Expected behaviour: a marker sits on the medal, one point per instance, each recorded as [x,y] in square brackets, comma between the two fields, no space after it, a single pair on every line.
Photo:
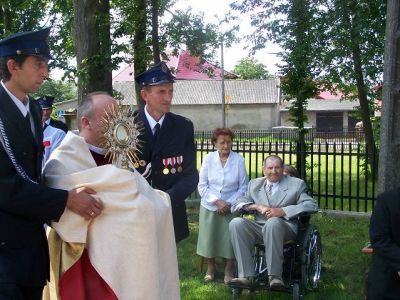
[165,162]
[179,160]
[142,163]
[136,165]
[173,170]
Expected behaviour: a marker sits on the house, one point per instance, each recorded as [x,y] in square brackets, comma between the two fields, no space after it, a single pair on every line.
[184,67]
[253,104]
[250,104]
[325,115]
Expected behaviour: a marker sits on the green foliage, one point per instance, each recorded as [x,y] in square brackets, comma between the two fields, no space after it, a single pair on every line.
[250,68]
[60,90]
[190,29]
[21,15]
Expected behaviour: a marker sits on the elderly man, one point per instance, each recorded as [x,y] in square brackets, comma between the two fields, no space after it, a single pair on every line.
[168,155]
[128,252]
[275,199]
[25,204]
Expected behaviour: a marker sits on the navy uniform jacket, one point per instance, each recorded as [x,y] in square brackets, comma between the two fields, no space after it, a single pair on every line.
[383,279]
[175,140]
[24,206]
[59,124]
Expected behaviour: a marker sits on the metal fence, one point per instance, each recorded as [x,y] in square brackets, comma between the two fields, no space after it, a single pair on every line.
[337,173]
[312,135]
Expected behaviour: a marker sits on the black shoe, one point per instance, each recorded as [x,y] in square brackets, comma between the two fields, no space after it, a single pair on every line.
[243,281]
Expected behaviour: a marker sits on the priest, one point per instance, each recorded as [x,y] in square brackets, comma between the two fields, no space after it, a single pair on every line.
[128,252]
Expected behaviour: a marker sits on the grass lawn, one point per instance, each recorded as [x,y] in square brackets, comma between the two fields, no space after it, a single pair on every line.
[343,273]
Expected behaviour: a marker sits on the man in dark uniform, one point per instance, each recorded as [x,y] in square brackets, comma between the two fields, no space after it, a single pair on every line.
[383,281]
[25,204]
[167,157]
[46,103]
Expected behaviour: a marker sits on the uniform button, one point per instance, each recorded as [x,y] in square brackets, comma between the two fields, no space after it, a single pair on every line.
[24,153]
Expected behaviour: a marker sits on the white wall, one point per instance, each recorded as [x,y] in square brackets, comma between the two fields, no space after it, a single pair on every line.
[240,116]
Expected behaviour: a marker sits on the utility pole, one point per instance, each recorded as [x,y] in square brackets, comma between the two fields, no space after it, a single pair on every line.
[223,82]
[389,154]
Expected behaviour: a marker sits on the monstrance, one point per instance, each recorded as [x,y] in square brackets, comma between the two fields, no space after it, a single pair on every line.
[121,136]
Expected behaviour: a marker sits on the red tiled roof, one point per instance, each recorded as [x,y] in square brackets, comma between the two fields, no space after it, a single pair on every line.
[327,95]
[185,67]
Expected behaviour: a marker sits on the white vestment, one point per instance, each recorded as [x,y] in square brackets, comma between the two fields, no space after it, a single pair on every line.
[131,243]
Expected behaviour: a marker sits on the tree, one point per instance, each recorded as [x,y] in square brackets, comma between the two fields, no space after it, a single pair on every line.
[345,50]
[93,46]
[354,60]
[60,90]
[296,36]
[250,68]
[21,15]
[389,163]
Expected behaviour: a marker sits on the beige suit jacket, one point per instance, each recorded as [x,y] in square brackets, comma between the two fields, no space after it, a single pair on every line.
[291,196]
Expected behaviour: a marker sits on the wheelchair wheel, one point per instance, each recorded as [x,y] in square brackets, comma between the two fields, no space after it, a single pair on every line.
[296,291]
[311,259]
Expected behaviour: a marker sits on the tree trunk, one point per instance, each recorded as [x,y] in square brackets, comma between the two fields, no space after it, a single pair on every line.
[154,31]
[6,17]
[362,91]
[139,46]
[389,152]
[93,46]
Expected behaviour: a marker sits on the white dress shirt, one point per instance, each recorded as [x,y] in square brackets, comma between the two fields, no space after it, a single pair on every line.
[22,106]
[275,186]
[151,121]
[226,182]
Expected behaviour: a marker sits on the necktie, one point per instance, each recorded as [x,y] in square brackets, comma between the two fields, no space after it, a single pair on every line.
[156,132]
[269,190]
[28,122]
[45,126]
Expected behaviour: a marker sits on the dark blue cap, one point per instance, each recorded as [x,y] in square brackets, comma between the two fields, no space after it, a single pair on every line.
[27,43]
[46,102]
[158,74]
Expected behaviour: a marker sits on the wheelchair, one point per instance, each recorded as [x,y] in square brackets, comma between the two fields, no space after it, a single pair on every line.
[302,263]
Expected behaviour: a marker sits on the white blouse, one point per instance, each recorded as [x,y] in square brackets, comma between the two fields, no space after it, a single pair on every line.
[226,182]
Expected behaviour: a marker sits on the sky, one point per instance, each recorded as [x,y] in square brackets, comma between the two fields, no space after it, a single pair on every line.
[232,55]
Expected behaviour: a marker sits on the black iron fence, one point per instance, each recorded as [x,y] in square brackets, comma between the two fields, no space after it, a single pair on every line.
[337,172]
[312,135]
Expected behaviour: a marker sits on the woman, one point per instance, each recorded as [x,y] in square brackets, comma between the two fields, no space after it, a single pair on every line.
[222,180]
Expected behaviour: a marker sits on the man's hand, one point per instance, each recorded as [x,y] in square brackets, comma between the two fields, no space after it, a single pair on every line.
[223,207]
[266,211]
[83,202]
[274,212]
[260,208]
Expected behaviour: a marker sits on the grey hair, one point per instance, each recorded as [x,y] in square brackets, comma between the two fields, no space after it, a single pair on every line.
[273,158]
[85,108]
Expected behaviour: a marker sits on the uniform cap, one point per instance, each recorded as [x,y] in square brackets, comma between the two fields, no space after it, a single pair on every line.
[46,102]
[26,43]
[158,74]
